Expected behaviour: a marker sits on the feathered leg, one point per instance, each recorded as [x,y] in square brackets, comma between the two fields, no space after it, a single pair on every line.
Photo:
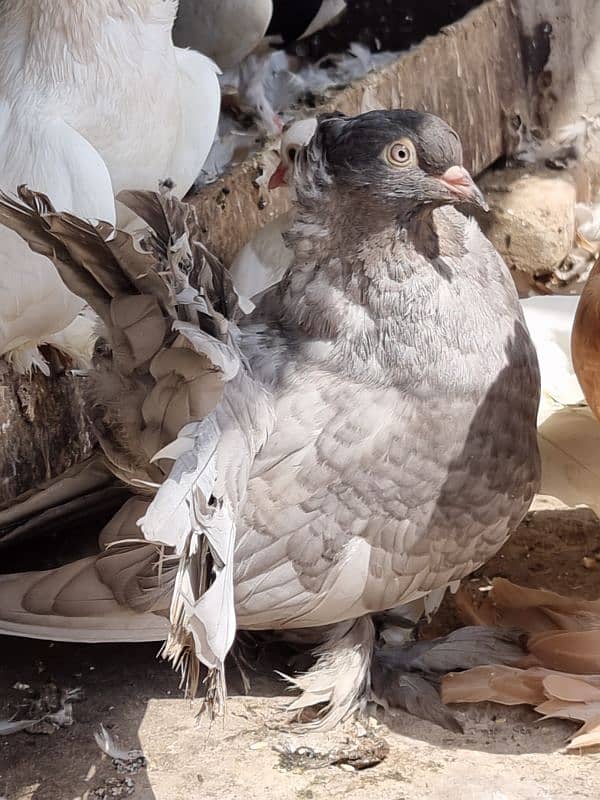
[338,683]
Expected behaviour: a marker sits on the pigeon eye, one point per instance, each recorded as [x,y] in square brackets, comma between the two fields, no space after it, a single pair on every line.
[401,154]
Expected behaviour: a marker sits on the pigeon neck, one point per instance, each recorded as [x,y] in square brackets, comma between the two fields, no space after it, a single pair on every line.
[344,276]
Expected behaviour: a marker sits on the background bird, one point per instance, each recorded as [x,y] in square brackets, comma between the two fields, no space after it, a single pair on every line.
[365,438]
[262,262]
[563,328]
[585,349]
[238,35]
[75,113]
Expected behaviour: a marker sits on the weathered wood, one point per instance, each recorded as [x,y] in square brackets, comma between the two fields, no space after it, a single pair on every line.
[44,429]
[470,74]
[561,41]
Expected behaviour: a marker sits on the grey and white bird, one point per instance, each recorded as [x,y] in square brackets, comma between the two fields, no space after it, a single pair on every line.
[77,115]
[365,438]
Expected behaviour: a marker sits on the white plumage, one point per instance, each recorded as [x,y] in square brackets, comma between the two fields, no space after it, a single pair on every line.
[550,322]
[238,35]
[568,432]
[94,98]
[226,30]
[262,262]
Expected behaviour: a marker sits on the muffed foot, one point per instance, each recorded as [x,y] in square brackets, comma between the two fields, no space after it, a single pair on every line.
[377,659]
[338,683]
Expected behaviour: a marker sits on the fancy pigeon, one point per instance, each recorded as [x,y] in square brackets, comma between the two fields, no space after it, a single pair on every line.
[366,437]
[77,113]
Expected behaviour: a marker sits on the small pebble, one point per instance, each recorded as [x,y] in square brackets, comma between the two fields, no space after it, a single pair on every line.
[589,562]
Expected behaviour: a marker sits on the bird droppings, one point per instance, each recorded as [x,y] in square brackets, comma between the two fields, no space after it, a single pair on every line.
[114,787]
[353,756]
[259,746]
[124,761]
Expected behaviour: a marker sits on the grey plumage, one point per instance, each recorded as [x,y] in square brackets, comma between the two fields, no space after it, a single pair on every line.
[368,433]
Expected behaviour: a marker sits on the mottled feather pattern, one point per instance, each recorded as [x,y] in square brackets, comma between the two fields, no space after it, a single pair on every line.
[365,437]
[401,423]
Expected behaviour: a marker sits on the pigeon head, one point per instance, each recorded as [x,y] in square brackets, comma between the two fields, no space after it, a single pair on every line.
[399,160]
[294,138]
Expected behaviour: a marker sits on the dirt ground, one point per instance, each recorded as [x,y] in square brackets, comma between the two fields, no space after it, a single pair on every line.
[504,753]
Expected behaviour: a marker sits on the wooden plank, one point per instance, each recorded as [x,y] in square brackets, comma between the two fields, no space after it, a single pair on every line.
[44,429]
[470,74]
[562,59]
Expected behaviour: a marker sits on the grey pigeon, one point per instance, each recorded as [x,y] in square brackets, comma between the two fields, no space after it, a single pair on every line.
[364,439]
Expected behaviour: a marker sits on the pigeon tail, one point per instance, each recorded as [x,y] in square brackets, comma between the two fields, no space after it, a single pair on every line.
[42,605]
[167,351]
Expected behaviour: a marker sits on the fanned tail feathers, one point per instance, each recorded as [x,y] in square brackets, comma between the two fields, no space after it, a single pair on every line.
[166,352]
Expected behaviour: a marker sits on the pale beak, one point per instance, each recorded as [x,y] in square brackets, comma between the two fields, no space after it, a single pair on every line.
[461,184]
[279,177]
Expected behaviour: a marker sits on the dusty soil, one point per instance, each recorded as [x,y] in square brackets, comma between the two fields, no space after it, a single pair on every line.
[504,754]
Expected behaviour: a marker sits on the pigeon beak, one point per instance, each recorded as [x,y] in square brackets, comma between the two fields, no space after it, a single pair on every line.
[279,177]
[461,184]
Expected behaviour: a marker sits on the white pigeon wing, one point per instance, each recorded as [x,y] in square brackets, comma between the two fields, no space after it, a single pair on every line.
[51,157]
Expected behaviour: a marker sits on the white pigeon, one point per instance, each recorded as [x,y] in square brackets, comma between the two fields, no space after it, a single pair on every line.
[262,262]
[550,322]
[568,431]
[238,35]
[226,30]
[81,85]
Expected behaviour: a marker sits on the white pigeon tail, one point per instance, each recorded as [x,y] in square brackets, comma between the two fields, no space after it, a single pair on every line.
[79,85]
[264,260]
[568,432]
[550,321]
